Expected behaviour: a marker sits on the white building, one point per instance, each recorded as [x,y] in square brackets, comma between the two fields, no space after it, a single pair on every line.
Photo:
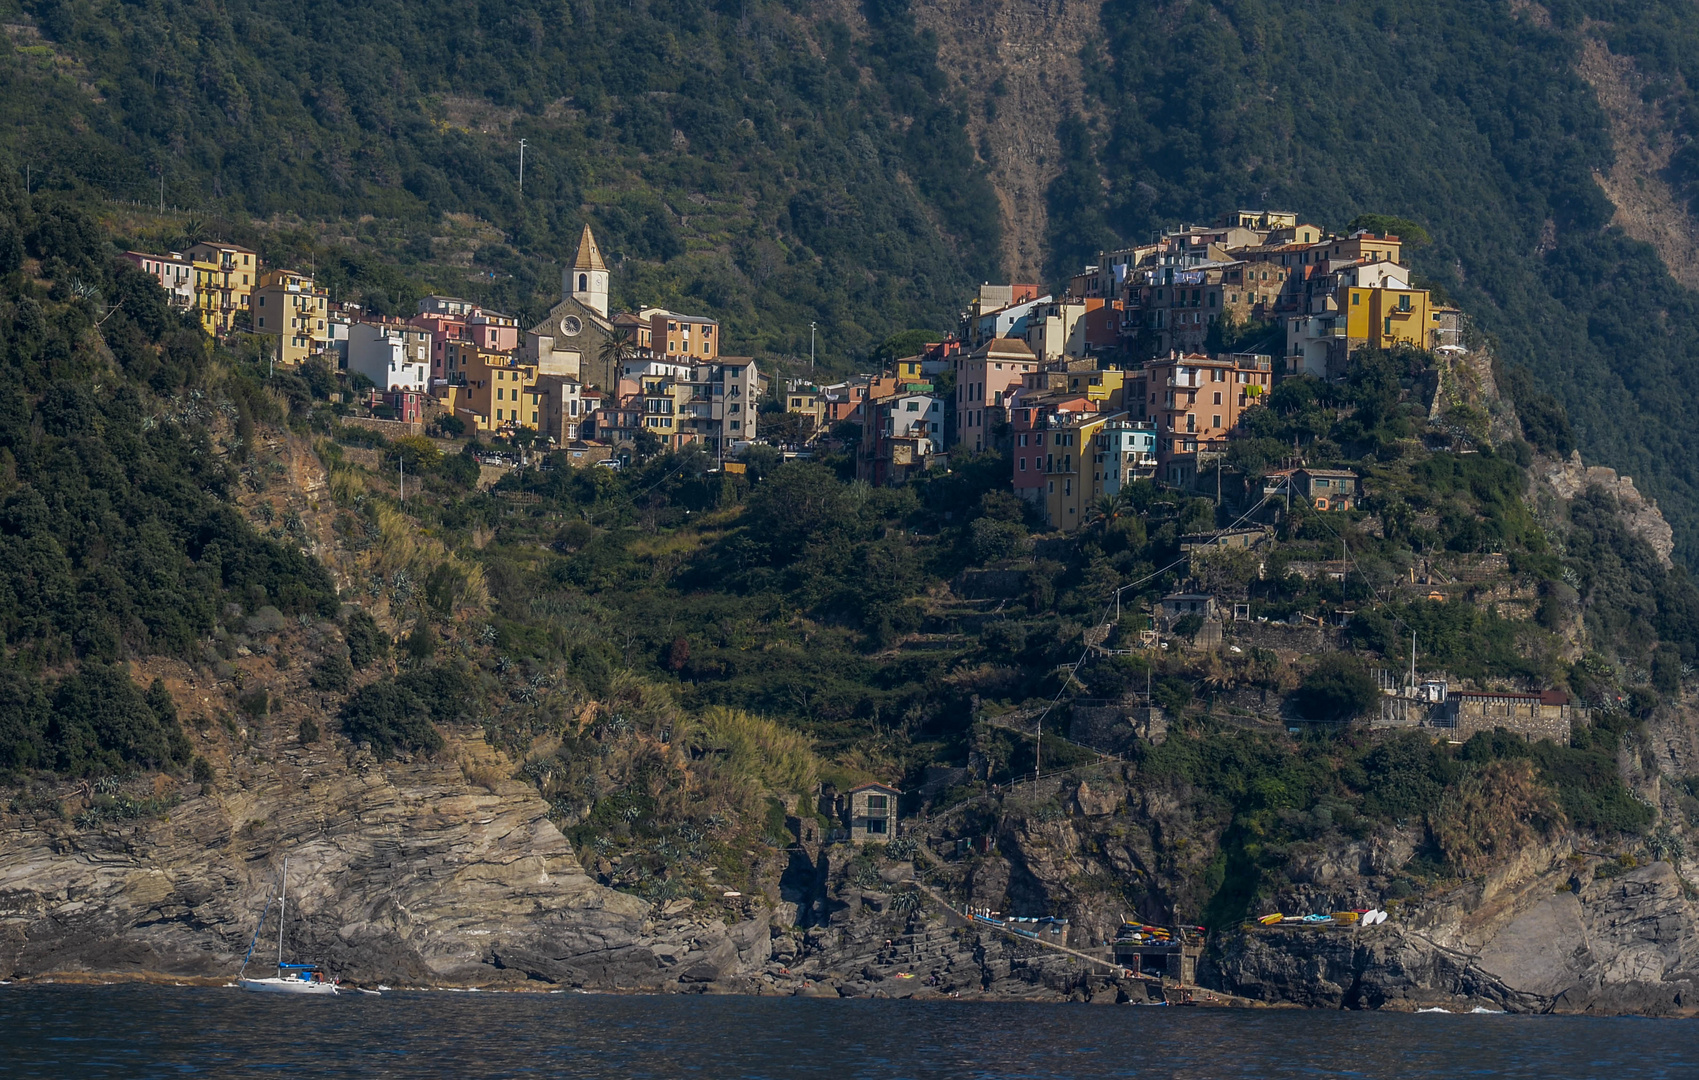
[175,274]
[393,356]
[1125,452]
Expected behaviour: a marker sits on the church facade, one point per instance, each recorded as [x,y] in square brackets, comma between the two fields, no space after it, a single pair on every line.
[572,339]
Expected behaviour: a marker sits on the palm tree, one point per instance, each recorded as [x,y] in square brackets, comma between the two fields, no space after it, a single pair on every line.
[616,350]
[1103,511]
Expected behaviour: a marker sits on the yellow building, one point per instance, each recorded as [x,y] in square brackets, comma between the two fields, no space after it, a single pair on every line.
[500,389]
[1107,388]
[226,276]
[1386,317]
[208,295]
[287,307]
[1076,480]
[808,401]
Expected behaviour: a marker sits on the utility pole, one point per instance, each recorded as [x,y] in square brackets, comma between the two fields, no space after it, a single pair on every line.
[810,346]
[401,485]
[162,188]
[521,166]
[1037,754]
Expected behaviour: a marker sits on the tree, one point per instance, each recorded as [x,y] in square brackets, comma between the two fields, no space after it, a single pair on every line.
[1336,689]
[904,343]
[1411,232]
[798,503]
[616,350]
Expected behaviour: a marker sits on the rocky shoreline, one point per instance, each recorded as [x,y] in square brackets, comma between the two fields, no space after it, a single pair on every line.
[410,874]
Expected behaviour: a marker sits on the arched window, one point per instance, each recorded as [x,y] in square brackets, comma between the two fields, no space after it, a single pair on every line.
[583,282]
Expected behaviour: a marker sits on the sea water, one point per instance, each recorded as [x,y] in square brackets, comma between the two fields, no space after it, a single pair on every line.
[147,1031]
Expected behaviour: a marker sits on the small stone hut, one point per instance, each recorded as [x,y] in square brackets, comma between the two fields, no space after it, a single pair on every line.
[871,812]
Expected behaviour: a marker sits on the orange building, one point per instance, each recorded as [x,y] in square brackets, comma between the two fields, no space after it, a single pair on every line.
[1196,401]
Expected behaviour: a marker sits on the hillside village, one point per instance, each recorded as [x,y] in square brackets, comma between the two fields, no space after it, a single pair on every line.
[582,381]
[1152,373]
[1094,606]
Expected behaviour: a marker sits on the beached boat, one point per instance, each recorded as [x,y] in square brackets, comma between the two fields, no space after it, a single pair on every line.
[290,978]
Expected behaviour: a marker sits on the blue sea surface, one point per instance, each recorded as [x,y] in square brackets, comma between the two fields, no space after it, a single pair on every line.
[148,1031]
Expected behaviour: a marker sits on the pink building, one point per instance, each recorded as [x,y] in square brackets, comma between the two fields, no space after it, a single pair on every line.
[1029,408]
[984,379]
[449,318]
[174,272]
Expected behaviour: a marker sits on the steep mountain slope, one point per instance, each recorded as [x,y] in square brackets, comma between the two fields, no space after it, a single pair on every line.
[860,165]
[747,158]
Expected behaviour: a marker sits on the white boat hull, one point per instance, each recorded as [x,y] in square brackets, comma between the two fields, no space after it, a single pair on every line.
[286,986]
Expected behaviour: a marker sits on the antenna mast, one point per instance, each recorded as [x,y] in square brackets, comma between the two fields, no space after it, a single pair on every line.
[282,896]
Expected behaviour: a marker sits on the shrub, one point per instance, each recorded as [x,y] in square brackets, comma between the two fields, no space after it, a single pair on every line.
[990,540]
[366,641]
[758,750]
[400,714]
[1490,814]
[1336,689]
[332,673]
[103,706]
[421,644]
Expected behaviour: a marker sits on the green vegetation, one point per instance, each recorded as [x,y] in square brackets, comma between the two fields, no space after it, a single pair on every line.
[94,721]
[118,538]
[399,715]
[757,162]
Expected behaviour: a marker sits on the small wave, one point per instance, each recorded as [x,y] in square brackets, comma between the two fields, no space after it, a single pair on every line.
[1482,1009]
[1434,1010]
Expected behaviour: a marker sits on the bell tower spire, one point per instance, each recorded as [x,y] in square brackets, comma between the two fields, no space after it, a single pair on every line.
[586,280]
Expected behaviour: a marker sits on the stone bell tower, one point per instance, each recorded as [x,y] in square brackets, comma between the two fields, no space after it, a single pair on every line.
[586,280]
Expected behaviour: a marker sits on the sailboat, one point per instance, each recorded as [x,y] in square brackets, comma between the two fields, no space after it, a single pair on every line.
[290,978]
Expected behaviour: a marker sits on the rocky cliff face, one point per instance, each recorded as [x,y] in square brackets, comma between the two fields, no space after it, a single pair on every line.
[1569,478]
[422,872]
[405,871]
[1554,928]
[1554,942]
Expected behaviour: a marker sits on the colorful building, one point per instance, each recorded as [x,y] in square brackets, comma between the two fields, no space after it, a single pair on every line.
[1385,317]
[984,377]
[1125,452]
[288,308]
[226,276]
[1030,409]
[1074,473]
[175,274]
[1196,401]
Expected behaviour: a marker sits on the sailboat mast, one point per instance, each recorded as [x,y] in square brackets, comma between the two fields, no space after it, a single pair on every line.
[282,896]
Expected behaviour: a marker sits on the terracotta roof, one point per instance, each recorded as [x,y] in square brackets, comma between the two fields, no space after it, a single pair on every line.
[872,787]
[1005,349]
[589,255]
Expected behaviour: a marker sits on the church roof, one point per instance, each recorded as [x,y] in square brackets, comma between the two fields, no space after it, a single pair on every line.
[589,255]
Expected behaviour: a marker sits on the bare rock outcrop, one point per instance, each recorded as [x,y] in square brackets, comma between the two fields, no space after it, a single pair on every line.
[404,871]
[1627,944]
[1571,477]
